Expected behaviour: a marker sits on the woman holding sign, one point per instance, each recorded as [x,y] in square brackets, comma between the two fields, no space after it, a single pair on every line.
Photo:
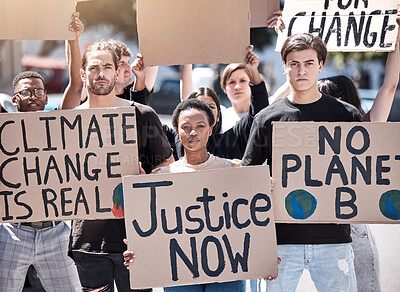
[193,120]
[231,143]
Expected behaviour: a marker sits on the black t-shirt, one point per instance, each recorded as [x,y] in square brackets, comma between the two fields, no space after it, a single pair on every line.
[232,143]
[259,150]
[105,236]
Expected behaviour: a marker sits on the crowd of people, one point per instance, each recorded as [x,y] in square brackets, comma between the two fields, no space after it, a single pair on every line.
[92,255]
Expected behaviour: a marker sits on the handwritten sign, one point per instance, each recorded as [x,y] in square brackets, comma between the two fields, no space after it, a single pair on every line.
[336,172]
[344,25]
[200,227]
[174,32]
[62,165]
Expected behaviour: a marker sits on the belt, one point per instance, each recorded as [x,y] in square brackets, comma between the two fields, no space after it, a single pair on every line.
[41,224]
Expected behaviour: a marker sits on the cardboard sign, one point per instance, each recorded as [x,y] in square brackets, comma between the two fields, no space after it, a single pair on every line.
[174,32]
[351,25]
[261,11]
[62,165]
[36,19]
[200,227]
[336,172]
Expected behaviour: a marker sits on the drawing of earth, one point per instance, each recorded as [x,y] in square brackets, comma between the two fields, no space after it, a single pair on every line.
[389,204]
[118,201]
[300,204]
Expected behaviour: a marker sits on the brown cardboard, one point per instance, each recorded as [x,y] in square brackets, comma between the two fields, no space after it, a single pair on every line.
[36,19]
[301,139]
[261,11]
[378,33]
[174,32]
[54,195]
[152,266]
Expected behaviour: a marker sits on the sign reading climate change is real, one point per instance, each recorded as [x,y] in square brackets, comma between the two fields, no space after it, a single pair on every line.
[336,172]
[200,227]
[344,25]
[62,165]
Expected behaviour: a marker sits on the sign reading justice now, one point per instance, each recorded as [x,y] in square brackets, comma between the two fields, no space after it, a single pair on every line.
[336,172]
[344,25]
[62,165]
[200,227]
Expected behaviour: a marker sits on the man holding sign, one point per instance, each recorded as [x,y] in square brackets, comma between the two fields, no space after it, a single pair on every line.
[97,245]
[323,249]
[42,244]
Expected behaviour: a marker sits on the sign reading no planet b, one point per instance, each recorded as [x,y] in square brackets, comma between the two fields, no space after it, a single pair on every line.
[336,172]
[200,227]
[63,165]
[344,25]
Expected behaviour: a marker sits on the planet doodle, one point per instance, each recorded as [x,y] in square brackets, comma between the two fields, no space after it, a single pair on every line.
[300,204]
[118,201]
[389,204]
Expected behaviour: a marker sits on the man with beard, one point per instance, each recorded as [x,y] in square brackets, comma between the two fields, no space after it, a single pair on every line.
[97,245]
[42,244]
[123,85]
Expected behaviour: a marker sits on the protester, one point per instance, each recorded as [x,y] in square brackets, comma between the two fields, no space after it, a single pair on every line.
[234,82]
[232,143]
[193,120]
[97,245]
[42,244]
[124,83]
[323,249]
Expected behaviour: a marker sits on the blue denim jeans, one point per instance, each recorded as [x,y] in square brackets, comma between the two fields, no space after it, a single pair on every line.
[330,265]
[234,286]
[366,258]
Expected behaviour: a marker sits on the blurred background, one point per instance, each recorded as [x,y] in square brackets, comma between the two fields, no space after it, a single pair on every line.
[117,19]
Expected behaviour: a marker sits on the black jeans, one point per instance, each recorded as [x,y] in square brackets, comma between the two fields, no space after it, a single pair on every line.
[99,270]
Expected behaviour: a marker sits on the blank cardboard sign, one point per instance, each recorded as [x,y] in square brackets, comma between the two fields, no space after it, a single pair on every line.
[261,11]
[336,172]
[200,227]
[343,25]
[174,32]
[63,165]
[36,19]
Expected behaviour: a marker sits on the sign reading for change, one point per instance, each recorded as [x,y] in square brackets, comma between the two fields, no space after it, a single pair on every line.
[336,172]
[344,25]
[200,227]
[62,165]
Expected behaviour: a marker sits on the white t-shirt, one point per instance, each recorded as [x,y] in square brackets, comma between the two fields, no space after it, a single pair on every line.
[213,162]
[229,118]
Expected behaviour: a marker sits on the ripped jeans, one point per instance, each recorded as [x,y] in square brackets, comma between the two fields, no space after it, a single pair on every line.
[330,265]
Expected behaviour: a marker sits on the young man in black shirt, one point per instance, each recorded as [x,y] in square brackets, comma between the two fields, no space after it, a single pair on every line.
[323,249]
